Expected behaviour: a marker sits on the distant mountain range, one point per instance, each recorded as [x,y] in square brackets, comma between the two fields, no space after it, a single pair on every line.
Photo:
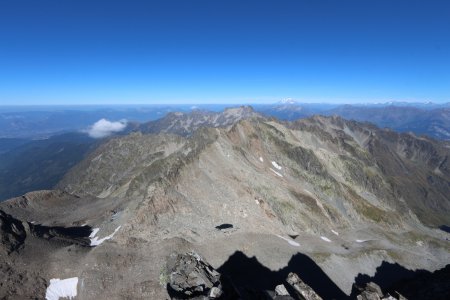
[43,122]
[422,119]
[431,122]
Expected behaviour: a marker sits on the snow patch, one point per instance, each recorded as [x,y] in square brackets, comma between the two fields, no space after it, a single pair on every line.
[261,159]
[62,288]
[361,241]
[94,232]
[287,101]
[325,239]
[277,166]
[291,242]
[278,174]
[95,241]
[335,232]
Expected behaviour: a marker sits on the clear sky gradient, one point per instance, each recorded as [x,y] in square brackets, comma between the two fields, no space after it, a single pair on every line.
[223,51]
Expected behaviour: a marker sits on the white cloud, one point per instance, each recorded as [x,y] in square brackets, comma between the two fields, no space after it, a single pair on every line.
[103,128]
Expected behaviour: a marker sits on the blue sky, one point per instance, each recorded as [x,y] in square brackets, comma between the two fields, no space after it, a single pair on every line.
[191,51]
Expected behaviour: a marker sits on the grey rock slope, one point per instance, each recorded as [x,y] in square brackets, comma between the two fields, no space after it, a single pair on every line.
[346,194]
[186,123]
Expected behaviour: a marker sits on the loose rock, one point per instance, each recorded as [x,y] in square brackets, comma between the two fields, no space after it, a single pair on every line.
[303,291]
[280,290]
[193,278]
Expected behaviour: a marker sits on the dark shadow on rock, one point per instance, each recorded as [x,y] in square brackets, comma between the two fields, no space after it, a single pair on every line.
[253,280]
[248,274]
[425,285]
[394,278]
[445,228]
[70,235]
[313,276]
[386,275]
[224,226]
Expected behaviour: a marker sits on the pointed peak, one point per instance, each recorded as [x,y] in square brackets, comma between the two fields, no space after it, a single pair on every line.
[242,108]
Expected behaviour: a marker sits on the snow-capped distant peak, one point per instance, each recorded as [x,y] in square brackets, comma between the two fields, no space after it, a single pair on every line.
[287,101]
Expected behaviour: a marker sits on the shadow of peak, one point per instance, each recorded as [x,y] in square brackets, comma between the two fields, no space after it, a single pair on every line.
[418,284]
[445,228]
[386,275]
[314,276]
[425,285]
[248,274]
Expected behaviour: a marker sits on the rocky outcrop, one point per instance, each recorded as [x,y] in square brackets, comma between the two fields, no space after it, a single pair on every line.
[12,233]
[193,278]
[280,290]
[302,290]
[371,291]
[185,124]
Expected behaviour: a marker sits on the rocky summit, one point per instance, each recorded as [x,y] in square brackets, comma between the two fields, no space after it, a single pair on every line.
[235,205]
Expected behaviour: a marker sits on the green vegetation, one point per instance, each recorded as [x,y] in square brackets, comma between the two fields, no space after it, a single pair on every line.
[164,277]
[283,209]
[320,257]
[395,255]
[368,210]
[307,200]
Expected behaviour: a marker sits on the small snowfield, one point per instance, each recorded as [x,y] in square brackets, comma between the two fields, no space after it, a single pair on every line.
[325,239]
[291,242]
[95,241]
[62,288]
[361,241]
[276,166]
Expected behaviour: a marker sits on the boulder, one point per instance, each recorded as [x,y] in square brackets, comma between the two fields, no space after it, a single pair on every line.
[371,291]
[12,234]
[280,290]
[302,290]
[193,278]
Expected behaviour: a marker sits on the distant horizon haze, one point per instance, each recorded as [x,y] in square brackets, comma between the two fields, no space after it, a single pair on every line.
[233,103]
